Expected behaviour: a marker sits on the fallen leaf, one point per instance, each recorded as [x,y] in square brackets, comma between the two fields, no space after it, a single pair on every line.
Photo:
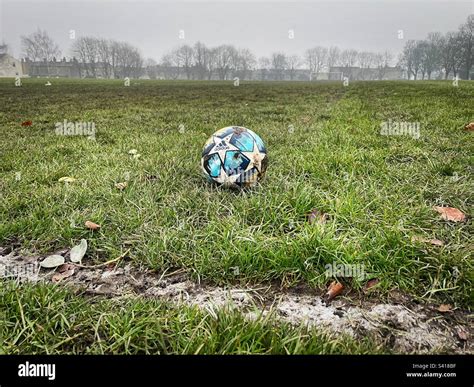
[451,214]
[469,127]
[78,251]
[132,152]
[318,217]
[111,266]
[443,308]
[67,179]
[27,123]
[91,225]
[371,283]
[434,242]
[462,334]
[58,277]
[121,186]
[52,261]
[335,288]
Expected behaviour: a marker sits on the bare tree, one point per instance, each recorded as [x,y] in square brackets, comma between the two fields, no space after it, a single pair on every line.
[244,62]
[348,58]
[411,58]
[382,62]
[39,46]
[200,60]
[293,62]
[86,49]
[211,62]
[446,52]
[430,54]
[151,70]
[225,56]
[129,61]
[171,64]
[264,64]
[455,40]
[333,57]
[186,55]
[104,56]
[366,60]
[278,65]
[315,58]
[466,42]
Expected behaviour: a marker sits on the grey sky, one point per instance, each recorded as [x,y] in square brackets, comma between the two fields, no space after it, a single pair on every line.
[262,26]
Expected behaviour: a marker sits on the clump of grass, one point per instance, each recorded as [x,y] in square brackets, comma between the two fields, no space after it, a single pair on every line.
[50,320]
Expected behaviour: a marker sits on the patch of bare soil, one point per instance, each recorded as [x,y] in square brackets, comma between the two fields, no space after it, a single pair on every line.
[400,324]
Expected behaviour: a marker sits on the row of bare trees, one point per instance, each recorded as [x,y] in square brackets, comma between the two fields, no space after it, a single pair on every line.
[201,62]
[97,57]
[107,58]
[451,53]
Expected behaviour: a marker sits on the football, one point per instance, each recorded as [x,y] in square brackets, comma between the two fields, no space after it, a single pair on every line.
[234,156]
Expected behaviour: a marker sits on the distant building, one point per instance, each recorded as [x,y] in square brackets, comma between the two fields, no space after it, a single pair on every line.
[365,74]
[54,68]
[9,66]
[72,68]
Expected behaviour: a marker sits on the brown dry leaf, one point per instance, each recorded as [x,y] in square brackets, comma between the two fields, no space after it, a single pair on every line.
[434,242]
[451,214]
[371,283]
[462,334]
[469,127]
[121,186]
[443,308]
[335,288]
[58,277]
[91,225]
[317,217]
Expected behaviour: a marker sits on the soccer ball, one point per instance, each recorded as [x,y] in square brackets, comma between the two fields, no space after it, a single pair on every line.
[234,156]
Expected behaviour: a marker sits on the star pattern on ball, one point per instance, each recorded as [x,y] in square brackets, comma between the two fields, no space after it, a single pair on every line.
[223,145]
[255,158]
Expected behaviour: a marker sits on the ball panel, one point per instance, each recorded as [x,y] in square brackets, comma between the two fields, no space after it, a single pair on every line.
[224,131]
[259,142]
[208,146]
[235,162]
[243,140]
[212,165]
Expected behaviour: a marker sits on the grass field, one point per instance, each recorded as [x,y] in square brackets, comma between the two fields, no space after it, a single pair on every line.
[326,153]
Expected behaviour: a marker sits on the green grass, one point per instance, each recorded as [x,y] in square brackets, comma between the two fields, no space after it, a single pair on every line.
[48,320]
[378,190]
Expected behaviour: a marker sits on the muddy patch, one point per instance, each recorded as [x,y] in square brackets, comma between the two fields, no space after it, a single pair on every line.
[404,327]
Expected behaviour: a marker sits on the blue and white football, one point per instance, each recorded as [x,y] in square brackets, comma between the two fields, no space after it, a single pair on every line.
[234,156]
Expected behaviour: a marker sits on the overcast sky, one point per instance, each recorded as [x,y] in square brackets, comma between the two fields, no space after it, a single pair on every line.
[263,27]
